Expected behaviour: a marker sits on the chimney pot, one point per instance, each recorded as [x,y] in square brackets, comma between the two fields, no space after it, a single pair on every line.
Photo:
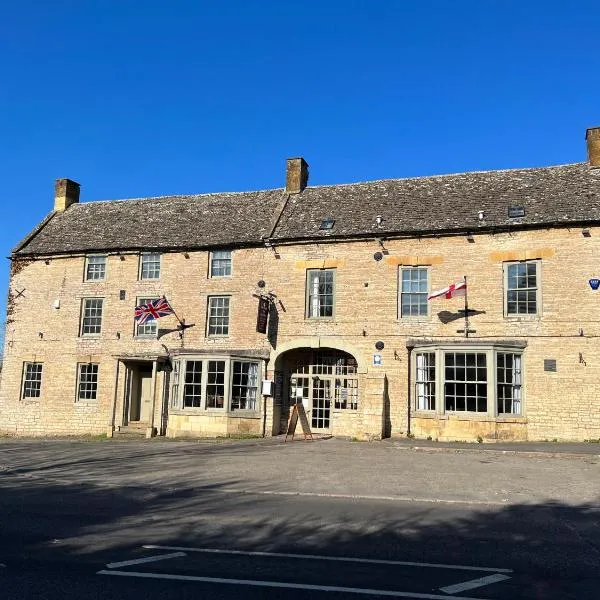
[66,192]
[592,136]
[296,175]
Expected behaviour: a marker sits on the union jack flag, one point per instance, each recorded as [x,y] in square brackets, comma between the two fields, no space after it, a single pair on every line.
[155,309]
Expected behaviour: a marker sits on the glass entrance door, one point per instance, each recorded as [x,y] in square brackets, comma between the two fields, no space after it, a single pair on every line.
[321,404]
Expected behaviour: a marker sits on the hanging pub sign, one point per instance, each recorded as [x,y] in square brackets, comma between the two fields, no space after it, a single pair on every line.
[594,283]
[263,315]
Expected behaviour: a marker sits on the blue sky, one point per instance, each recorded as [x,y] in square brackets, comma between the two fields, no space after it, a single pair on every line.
[150,98]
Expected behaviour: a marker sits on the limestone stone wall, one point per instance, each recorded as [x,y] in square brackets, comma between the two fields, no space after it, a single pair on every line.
[562,404]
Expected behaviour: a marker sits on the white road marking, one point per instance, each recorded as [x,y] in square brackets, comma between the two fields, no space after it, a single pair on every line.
[332,558]
[473,583]
[139,561]
[279,584]
[251,492]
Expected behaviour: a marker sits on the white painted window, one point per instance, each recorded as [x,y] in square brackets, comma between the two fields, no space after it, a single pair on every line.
[215,383]
[95,268]
[32,380]
[522,288]
[320,292]
[220,263]
[150,265]
[150,327]
[475,379]
[218,316]
[414,288]
[87,381]
[91,316]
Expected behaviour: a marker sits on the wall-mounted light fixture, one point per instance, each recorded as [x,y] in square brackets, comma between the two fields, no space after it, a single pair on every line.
[481,215]
[586,232]
[470,238]
[186,255]
[379,345]
[378,220]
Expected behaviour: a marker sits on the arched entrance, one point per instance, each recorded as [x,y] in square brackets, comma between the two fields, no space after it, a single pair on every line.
[324,380]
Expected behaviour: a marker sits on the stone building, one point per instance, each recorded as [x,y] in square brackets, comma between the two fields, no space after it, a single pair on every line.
[345,272]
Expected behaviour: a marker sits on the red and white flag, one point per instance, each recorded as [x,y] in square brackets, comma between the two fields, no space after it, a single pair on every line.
[455,289]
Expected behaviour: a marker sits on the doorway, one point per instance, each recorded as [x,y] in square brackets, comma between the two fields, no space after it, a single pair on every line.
[139,394]
[321,380]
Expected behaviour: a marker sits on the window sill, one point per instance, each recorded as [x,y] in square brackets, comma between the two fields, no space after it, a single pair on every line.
[90,336]
[468,417]
[145,338]
[199,412]
[519,318]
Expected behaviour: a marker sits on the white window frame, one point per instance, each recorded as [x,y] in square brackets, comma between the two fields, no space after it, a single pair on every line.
[90,261]
[84,316]
[154,274]
[226,260]
[492,380]
[35,384]
[150,328]
[179,384]
[538,289]
[313,303]
[426,292]
[212,319]
[94,383]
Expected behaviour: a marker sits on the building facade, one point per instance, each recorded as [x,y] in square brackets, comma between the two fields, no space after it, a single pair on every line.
[344,273]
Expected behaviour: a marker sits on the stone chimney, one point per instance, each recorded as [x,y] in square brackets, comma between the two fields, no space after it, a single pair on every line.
[296,175]
[66,192]
[592,136]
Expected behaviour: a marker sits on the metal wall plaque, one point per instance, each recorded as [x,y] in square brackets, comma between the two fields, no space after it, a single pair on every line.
[516,211]
[550,365]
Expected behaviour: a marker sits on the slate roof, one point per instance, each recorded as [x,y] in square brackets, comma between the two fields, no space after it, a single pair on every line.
[417,206]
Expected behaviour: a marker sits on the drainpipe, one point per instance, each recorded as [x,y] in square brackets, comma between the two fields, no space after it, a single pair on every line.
[409,394]
[111,426]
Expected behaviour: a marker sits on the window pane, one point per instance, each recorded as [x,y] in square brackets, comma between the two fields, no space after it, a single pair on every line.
[425,381]
[244,385]
[88,382]
[91,321]
[320,293]
[413,295]
[508,383]
[218,315]
[521,293]
[32,380]
[215,384]
[95,268]
[220,265]
[465,386]
[150,265]
[192,388]
[150,327]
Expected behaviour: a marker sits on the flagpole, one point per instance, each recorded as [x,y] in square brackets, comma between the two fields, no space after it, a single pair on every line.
[174,313]
[466,309]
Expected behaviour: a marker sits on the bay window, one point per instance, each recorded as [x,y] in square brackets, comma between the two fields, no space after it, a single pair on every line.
[468,379]
[215,383]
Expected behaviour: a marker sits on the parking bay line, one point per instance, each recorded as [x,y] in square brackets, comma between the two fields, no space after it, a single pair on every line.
[398,563]
[147,559]
[474,583]
[279,584]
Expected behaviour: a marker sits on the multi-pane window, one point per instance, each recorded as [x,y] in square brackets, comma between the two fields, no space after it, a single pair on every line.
[465,381]
[320,293]
[346,393]
[91,316]
[244,385]
[218,315]
[32,380]
[425,380]
[87,381]
[215,384]
[95,268]
[522,288]
[220,263]
[508,394]
[413,292]
[175,383]
[149,328]
[192,389]
[150,265]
